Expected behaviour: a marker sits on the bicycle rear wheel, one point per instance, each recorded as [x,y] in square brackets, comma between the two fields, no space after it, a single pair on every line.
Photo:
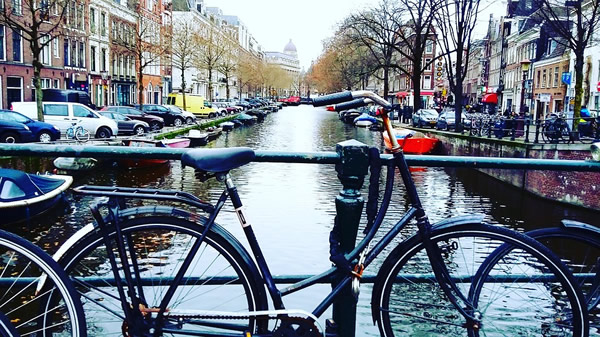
[82,135]
[221,277]
[512,297]
[27,308]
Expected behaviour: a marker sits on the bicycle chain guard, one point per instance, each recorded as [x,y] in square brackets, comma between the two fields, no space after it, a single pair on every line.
[296,327]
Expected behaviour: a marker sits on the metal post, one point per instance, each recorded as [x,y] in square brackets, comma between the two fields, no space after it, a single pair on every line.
[538,125]
[527,123]
[349,204]
[513,129]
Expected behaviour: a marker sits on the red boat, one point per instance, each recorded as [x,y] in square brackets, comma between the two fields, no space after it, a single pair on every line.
[412,142]
[135,142]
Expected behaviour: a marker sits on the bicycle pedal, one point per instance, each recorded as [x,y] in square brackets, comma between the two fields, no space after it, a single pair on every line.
[331,328]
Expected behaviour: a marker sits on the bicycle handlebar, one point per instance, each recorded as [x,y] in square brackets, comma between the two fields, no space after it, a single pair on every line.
[352,104]
[338,97]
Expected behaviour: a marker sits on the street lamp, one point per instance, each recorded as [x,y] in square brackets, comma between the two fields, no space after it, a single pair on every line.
[525,68]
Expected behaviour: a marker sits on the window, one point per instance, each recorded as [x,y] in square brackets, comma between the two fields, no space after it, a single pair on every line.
[66,56]
[14,90]
[555,77]
[16,7]
[45,56]
[73,54]
[103,60]
[92,20]
[429,47]
[2,45]
[17,55]
[149,4]
[103,24]
[114,64]
[56,110]
[431,65]
[121,65]
[55,83]
[11,191]
[551,46]
[80,23]
[81,111]
[427,82]
[56,43]
[544,78]
[93,58]
[81,55]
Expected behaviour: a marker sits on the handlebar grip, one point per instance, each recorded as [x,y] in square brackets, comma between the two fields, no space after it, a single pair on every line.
[349,105]
[336,98]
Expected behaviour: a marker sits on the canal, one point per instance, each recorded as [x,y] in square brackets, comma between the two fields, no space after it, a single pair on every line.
[291,206]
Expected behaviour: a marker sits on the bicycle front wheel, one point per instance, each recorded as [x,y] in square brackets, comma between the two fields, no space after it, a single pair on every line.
[220,279]
[525,293]
[82,134]
[36,296]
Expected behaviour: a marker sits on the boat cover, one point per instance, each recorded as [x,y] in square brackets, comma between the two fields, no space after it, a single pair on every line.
[31,185]
[365,117]
[244,116]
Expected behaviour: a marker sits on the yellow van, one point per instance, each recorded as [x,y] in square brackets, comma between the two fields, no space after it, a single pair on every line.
[194,104]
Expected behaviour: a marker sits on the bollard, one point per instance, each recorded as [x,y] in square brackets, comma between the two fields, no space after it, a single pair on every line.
[538,125]
[527,123]
[348,205]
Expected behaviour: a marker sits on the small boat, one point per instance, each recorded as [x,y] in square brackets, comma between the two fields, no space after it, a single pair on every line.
[197,138]
[236,123]
[364,120]
[227,126]
[348,116]
[246,119]
[75,163]
[140,142]
[24,195]
[213,132]
[259,114]
[412,142]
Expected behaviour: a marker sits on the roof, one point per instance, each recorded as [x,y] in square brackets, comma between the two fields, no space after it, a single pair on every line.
[561,47]
[290,47]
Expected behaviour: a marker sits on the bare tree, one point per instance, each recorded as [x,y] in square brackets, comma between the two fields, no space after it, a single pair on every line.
[185,34]
[575,22]
[229,63]
[456,20]
[38,22]
[211,51]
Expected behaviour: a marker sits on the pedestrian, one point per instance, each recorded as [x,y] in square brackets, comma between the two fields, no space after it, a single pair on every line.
[405,115]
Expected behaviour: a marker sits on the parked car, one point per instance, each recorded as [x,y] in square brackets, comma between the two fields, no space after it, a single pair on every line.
[190,118]
[64,114]
[42,132]
[220,107]
[425,117]
[195,104]
[127,126]
[155,122]
[170,117]
[446,120]
[13,132]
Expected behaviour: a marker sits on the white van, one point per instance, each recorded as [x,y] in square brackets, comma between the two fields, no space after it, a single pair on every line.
[64,114]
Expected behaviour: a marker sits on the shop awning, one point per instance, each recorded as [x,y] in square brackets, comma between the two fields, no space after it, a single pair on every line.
[401,94]
[490,98]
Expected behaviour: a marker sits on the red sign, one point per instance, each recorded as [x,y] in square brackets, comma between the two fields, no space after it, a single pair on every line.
[598,86]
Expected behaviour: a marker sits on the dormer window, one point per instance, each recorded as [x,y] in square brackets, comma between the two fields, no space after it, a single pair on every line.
[551,46]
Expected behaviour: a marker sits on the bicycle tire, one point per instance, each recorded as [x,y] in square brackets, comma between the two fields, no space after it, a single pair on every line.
[25,267]
[160,243]
[82,135]
[579,249]
[70,133]
[403,309]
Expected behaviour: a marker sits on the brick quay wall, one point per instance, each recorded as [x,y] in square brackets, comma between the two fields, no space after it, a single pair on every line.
[575,188]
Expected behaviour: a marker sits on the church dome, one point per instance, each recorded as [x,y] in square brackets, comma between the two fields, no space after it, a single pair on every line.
[290,48]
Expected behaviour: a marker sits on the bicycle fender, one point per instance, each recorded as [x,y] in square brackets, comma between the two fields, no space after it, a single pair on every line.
[572,224]
[460,220]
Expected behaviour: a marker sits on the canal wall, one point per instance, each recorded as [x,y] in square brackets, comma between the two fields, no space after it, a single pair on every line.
[575,188]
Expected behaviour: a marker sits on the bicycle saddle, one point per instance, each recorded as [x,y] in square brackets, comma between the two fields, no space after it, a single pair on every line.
[218,160]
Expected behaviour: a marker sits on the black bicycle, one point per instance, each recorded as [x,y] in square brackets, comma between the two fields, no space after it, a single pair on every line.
[555,129]
[166,268]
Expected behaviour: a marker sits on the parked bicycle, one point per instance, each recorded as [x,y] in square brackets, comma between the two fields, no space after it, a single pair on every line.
[78,132]
[555,129]
[167,269]
[37,298]
[588,130]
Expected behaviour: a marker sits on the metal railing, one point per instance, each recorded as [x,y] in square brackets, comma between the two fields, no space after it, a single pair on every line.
[351,161]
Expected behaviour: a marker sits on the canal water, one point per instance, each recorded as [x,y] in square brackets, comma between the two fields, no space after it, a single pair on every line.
[291,206]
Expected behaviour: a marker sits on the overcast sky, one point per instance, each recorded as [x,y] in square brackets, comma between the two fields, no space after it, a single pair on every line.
[307,22]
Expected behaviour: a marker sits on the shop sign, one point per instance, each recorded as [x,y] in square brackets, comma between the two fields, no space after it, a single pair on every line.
[544,97]
[598,86]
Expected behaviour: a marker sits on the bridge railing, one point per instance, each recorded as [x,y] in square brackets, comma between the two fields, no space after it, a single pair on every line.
[351,161]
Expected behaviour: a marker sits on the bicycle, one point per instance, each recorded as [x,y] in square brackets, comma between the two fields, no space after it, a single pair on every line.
[78,132]
[36,296]
[555,129]
[165,269]
[588,130]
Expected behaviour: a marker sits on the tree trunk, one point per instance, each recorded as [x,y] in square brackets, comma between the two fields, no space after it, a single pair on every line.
[210,86]
[183,87]
[140,88]
[578,87]
[37,82]
[227,87]
[458,90]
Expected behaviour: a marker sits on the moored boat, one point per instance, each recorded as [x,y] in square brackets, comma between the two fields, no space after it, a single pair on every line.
[246,119]
[75,163]
[227,126]
[197,138]
[364,120]
[412,142]
[140,142]
[348,116]
[24,195]
[213,132]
